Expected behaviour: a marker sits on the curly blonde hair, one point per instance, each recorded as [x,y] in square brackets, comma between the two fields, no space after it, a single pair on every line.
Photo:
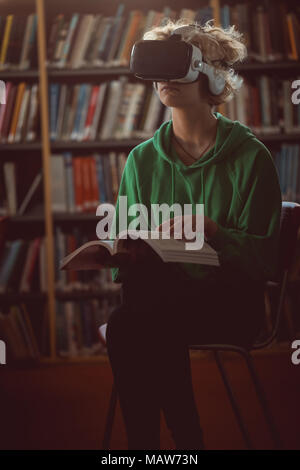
[220,47]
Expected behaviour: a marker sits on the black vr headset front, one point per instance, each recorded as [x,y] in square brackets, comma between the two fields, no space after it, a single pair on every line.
[173,59]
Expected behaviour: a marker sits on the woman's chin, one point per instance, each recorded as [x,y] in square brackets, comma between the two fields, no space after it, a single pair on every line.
[171,102]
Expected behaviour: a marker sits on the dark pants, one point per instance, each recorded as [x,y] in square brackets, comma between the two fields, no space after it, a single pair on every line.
[163,311]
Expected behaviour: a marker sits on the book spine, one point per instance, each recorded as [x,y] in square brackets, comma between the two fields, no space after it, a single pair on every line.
[5,41]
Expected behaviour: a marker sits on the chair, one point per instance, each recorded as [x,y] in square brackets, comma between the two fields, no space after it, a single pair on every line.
[289,225]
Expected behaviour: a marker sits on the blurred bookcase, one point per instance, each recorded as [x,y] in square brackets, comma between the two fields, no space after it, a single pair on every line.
[58,27]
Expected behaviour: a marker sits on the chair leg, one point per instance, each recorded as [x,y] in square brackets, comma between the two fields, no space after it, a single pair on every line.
[110,418]
[233,401]
[263,401]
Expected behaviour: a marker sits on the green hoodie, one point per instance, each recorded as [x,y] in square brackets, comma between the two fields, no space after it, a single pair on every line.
[237,182]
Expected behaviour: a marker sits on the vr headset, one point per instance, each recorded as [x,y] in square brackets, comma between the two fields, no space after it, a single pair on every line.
[173,60]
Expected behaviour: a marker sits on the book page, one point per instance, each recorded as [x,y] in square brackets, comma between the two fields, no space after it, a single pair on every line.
[92,257]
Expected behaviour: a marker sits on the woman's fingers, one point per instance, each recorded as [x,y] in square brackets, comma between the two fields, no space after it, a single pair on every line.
[176,225]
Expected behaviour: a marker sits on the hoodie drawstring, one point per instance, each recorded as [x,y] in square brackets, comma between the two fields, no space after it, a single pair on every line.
[173,184]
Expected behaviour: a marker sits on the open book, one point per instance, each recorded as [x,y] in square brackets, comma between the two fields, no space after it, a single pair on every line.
[98,254]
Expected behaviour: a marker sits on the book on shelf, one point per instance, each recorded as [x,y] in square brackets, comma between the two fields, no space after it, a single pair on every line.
[264,104]
[17,331]
[23,266]
[16,200]
[80,184]
[9,172]
[24,328]
[110,110]
[18,41]
[77,326]
[29,195]
[99,254]
[19,117]
[271,34]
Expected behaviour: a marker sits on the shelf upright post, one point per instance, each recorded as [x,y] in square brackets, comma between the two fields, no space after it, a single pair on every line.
[46,155]
[215,5]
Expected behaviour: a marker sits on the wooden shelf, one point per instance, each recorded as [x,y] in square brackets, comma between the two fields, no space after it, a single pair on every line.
[19,75]
[108,293]
[111,144]
[17,297]
[110,72]
[23,296]
[57,217]
[121,145]
[89,73]
[272,138]
[124,144]
[75,217]
[268,66]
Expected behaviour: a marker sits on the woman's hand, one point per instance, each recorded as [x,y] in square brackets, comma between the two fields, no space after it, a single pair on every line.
[177,225]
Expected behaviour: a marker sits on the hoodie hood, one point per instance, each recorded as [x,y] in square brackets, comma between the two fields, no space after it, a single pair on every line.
[230,136]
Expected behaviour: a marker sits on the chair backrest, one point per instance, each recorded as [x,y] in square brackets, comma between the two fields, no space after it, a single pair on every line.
[289,226]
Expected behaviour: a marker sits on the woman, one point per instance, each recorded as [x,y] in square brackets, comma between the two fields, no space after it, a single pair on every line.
[199,156]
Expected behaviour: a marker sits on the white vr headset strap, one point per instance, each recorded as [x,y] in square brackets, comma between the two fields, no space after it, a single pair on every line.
[216,80]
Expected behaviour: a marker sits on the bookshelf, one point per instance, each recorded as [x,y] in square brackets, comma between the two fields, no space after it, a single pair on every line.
[46,220]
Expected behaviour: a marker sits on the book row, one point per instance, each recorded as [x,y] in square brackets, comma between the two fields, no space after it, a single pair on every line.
[20,190]
[93,39]
[18,41]
[265,105]
[272,33]
[78,184]
[122,110]
[19,117]
[78,40]
[77,327]
[287,164]
[26,334]
[23,267]
[83,112]
[113,110]
[17,331]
